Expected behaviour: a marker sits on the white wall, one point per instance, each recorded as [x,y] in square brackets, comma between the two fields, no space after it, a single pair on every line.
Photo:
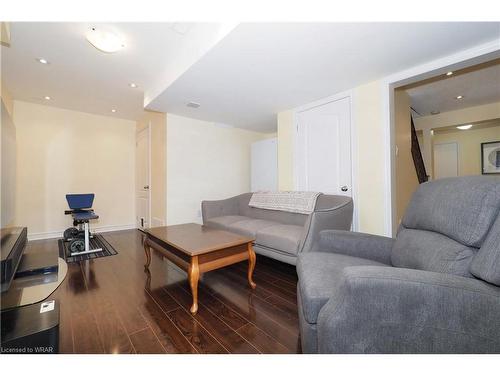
[204,162]
[61,151]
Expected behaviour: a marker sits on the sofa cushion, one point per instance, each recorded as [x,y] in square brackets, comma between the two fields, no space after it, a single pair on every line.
[285,238]
[460,208]
[430,251]
[250,227]
[319,275]
[223,222]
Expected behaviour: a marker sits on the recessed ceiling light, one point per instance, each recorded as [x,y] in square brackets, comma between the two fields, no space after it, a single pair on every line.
[105,41]
[193,105]
[47,98]
[449,73]
[113,110]
[42,61]
[435,112]
[459,97]
[464,127]
[133,85]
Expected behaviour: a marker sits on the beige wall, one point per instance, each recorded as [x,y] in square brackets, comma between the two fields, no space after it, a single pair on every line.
[158,186]
[426,124]
[406,175]
[370,159]
[285,150]
[6,99]
[61,151]
[463,116]
[469,145]
[7,161]
[204,162]
[5,34]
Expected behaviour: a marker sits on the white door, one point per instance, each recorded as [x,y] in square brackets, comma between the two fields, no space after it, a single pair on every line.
[142,178]
[445,160]
[324,148]
[264,174]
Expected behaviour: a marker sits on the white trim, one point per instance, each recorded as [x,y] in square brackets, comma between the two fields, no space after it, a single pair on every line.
[59,233]
[462,59]
[354,144]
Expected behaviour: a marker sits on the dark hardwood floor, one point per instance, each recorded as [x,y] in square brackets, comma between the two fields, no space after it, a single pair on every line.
[111,305]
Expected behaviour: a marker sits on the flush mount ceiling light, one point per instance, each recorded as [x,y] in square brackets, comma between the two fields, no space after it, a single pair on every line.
[449,73]
[104,40]
[42,61]
[464,127]
[459,97]
[133,85]
[113,110]
[47,98]
[193,105]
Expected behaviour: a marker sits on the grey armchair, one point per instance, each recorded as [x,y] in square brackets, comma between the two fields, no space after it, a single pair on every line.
[433,289]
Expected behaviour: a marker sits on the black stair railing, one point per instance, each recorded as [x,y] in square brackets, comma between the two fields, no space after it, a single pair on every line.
[416,153]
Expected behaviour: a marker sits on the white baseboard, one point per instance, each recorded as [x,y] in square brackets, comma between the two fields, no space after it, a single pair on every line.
[59,233]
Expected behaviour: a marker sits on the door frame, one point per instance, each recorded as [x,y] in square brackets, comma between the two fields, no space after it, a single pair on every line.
[473,56]
[148,137]
[354,172]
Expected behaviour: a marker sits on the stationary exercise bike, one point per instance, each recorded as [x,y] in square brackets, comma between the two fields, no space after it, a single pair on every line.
[79,235]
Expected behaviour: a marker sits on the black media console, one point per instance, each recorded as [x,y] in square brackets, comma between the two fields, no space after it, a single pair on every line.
[29,322]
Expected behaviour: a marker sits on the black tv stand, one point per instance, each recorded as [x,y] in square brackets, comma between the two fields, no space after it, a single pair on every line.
[29,277]
[12,245]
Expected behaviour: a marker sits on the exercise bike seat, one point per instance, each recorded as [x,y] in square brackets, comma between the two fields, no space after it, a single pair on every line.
[84,216]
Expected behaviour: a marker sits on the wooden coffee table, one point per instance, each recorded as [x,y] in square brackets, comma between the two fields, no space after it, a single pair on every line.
[197,249]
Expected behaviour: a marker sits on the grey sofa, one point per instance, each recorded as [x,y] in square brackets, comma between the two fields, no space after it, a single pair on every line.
[433,289]
[278,234]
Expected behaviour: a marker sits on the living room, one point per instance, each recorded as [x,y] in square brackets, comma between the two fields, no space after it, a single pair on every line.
[222,194]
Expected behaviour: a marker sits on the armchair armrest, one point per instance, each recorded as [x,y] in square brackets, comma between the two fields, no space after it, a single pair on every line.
[361,245]
[335,217]
[224,207]
[397,310]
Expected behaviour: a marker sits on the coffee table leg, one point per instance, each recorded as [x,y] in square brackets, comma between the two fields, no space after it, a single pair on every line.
[193,277]
[147,250]
[251,265]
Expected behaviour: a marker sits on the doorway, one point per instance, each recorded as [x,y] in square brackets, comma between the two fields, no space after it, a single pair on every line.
[142,176]
[444,68]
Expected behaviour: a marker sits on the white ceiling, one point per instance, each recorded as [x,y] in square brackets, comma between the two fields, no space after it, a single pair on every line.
[241,77]
[79,77]
[477,87]
[261,69]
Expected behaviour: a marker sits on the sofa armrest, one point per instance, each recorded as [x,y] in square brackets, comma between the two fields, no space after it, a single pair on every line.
[224,207]
[361,245]
[398,310]
[338,217]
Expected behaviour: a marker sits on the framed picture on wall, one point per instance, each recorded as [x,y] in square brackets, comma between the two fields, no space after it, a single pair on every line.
[490,157]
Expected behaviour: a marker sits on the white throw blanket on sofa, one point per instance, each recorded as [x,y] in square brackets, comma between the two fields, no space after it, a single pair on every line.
[302,202]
